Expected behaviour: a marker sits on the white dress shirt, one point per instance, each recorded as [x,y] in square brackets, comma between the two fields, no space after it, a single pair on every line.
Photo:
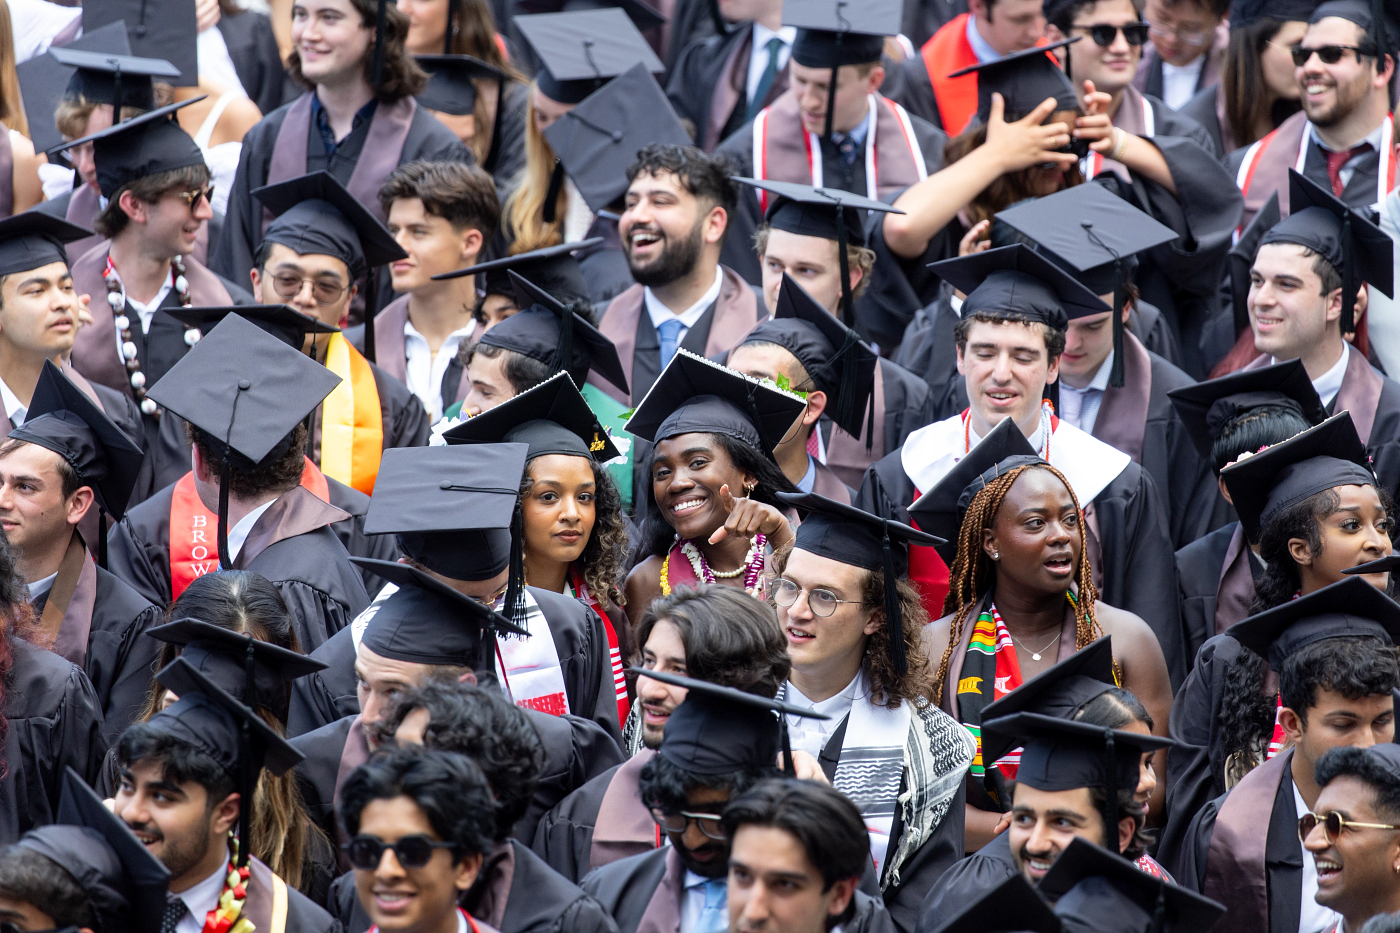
[1329,383]
[16,409]
[659,313]
[425,369]
[40,587]
[980,47]
[810,735]
[146,312]
[758,55]
[240,531]
[200,899]
[1312,916]
[1179,82]
[1080,407]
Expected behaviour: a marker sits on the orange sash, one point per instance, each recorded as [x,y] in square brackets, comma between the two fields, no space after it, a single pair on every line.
[352,425]
[193,541]
[949,51]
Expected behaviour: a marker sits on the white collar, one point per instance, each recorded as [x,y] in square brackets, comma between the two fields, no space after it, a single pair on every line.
[761,35]
[1100,380]
[1373,137]
[204,896]
[240,531]
[659,313]
[1192,68]
[40,587]
[456,337]
[834,706]
[1330,383]
[14,408]
[980,47]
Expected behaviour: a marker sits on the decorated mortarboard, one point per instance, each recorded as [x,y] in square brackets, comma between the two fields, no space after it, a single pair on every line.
[1062,754]
[1097,891]
[580,50]
[1240,259]
[940,510]
[552,269]
[1385,564]
[281,321]
[1058,691]
[254,672]
[1018,280]
[143,146]
[1350,607]
[314,213]
[1024,80]
[724,730]
[551,418]
[450,82]
[832,33]
[598,140]
[207,718]
[126,885]
[44,83]
[1247,12]
[1011,907]
[1105,231]
[115,80]
[1205,408]
[33,238]
[693,395]
[546,330]
[1264,484]
[160,29]
[1346,238]
[247,390]
[848,535]
[451,507]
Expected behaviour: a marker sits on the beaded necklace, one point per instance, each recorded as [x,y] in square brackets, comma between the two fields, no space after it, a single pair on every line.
[116,299]
[751,567]
[227,916]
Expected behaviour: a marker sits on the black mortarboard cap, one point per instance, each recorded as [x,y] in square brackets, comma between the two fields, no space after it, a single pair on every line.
[1381,565]
[1285,474]
[1374,17]
[693,395]
[598,140]
[1024,80]
[1356,248]
[1096,891]
[940,510]
[580,50]
[1206,407]
[428,622]
[553,269]
[846,534]
[254,672]
[116,80]
[724,730]
[281,321]
[64,420]
[124,882]
[1018,280]
[314,213]
[551,418]
[1246,12]
[1011,907]
[1058,691]
[1241,258]
[546,330]
[450,88]
[35,238]
[452,507]
[163,29]
[43,82]
[1104,232]
[143,146]
[831,33]
[1349,607]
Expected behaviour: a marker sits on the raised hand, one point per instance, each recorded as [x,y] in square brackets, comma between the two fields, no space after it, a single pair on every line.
[1029,141]
[748,517]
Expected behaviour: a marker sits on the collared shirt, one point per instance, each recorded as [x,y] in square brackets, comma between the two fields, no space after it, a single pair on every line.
[758,56]
[16,409]
[1312,916]
[239,532]
[856,136]
[1179,82]
[1080,407]
[809,479]
[659,313]
[980,47]
[810,735]
[144,311]
[40,587]
[322,121]
[200,899]
[1330,383]
[424,370]
[1349,169]
[693,899]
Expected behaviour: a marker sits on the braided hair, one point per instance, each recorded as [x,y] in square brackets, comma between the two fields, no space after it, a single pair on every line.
[973,573]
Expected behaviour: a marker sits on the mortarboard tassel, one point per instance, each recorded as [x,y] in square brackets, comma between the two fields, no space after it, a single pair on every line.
[894,621]
[758,422]
[245,792]
[847,358]
[102,537]
[1159,912]
[551,196]
[1110,830]
[563,358]
[789,767]
[371,307]
[831,91]
[448,33]
[225,479]
[493,155]
[514,604]
[847,312]
[1349,283]
[379,43]
[1115,375]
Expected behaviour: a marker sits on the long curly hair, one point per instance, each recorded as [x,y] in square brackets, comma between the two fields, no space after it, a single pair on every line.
[974,574]
[1246,716]
[603,557]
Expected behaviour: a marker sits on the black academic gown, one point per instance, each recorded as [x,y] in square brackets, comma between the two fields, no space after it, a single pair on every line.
[908,406]
[252,47]
[54,721]
[699,84]
[405,421]
[965,882]
[1198,569]
[263,905]
[604,266]
[564,837]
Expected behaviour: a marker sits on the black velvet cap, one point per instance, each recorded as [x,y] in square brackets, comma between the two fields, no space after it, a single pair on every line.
[1100,892]
[1283,475]
[117,80]
[1380,565]
[1241,258]
[64,420]
[810,211]
[44,83]
[142,146]
[554,269]
[281,321]
[1206,407]
[580,50]
[1382,29]
[1246,12]
[1017,279]
[33,238]
[599,139]
[124,882]
[1057,692]
[450,506]
[316,214]
[1011,907]
[940,510]
[165,29]
[221,655]
[694,395]
[551,418]
[1024,80]
[1060,754]
[427,622]
[721,730]
[1349,607]
[831,33]
[450,88]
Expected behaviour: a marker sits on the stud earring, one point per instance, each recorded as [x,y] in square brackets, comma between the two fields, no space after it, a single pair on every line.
[996,555]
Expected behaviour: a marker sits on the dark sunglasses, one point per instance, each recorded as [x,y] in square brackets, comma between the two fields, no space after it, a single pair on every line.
[1330,54]
[1332,825]
[1104,34]
[365,852]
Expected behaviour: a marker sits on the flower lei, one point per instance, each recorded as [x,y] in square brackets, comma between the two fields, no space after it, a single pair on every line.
[227,917]
[116,299]
[751,568]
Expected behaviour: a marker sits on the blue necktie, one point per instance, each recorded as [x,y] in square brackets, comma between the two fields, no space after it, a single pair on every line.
[714,916]
[669,333]
[765,81]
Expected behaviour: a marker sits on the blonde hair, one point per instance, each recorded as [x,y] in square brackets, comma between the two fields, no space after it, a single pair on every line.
[524,207]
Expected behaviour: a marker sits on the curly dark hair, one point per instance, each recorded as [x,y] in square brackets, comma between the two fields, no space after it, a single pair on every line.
[1117,708]
[1128,805]
[401,76]
[603,557]
[657,534]
[278,472]
[667,786]
[1246,714]
[1350,761]
[730,638]
[1355,666]
[33,878]
[483,725]
[705,175]
[449,788]
[180,762]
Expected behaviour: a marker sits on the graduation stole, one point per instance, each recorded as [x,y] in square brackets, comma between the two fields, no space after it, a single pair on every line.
[949,51]
[528,668]
[193,552]
[614,649]
[990,671]
[352,426]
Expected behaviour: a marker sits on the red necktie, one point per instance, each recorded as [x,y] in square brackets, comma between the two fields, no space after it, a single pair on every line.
[1335,161]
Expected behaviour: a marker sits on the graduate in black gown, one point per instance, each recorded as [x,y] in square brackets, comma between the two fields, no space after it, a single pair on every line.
[86,614]
[1096,891]
[245,394]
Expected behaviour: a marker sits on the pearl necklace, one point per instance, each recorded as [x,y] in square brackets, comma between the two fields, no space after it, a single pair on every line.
[751,566]
[116,300]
